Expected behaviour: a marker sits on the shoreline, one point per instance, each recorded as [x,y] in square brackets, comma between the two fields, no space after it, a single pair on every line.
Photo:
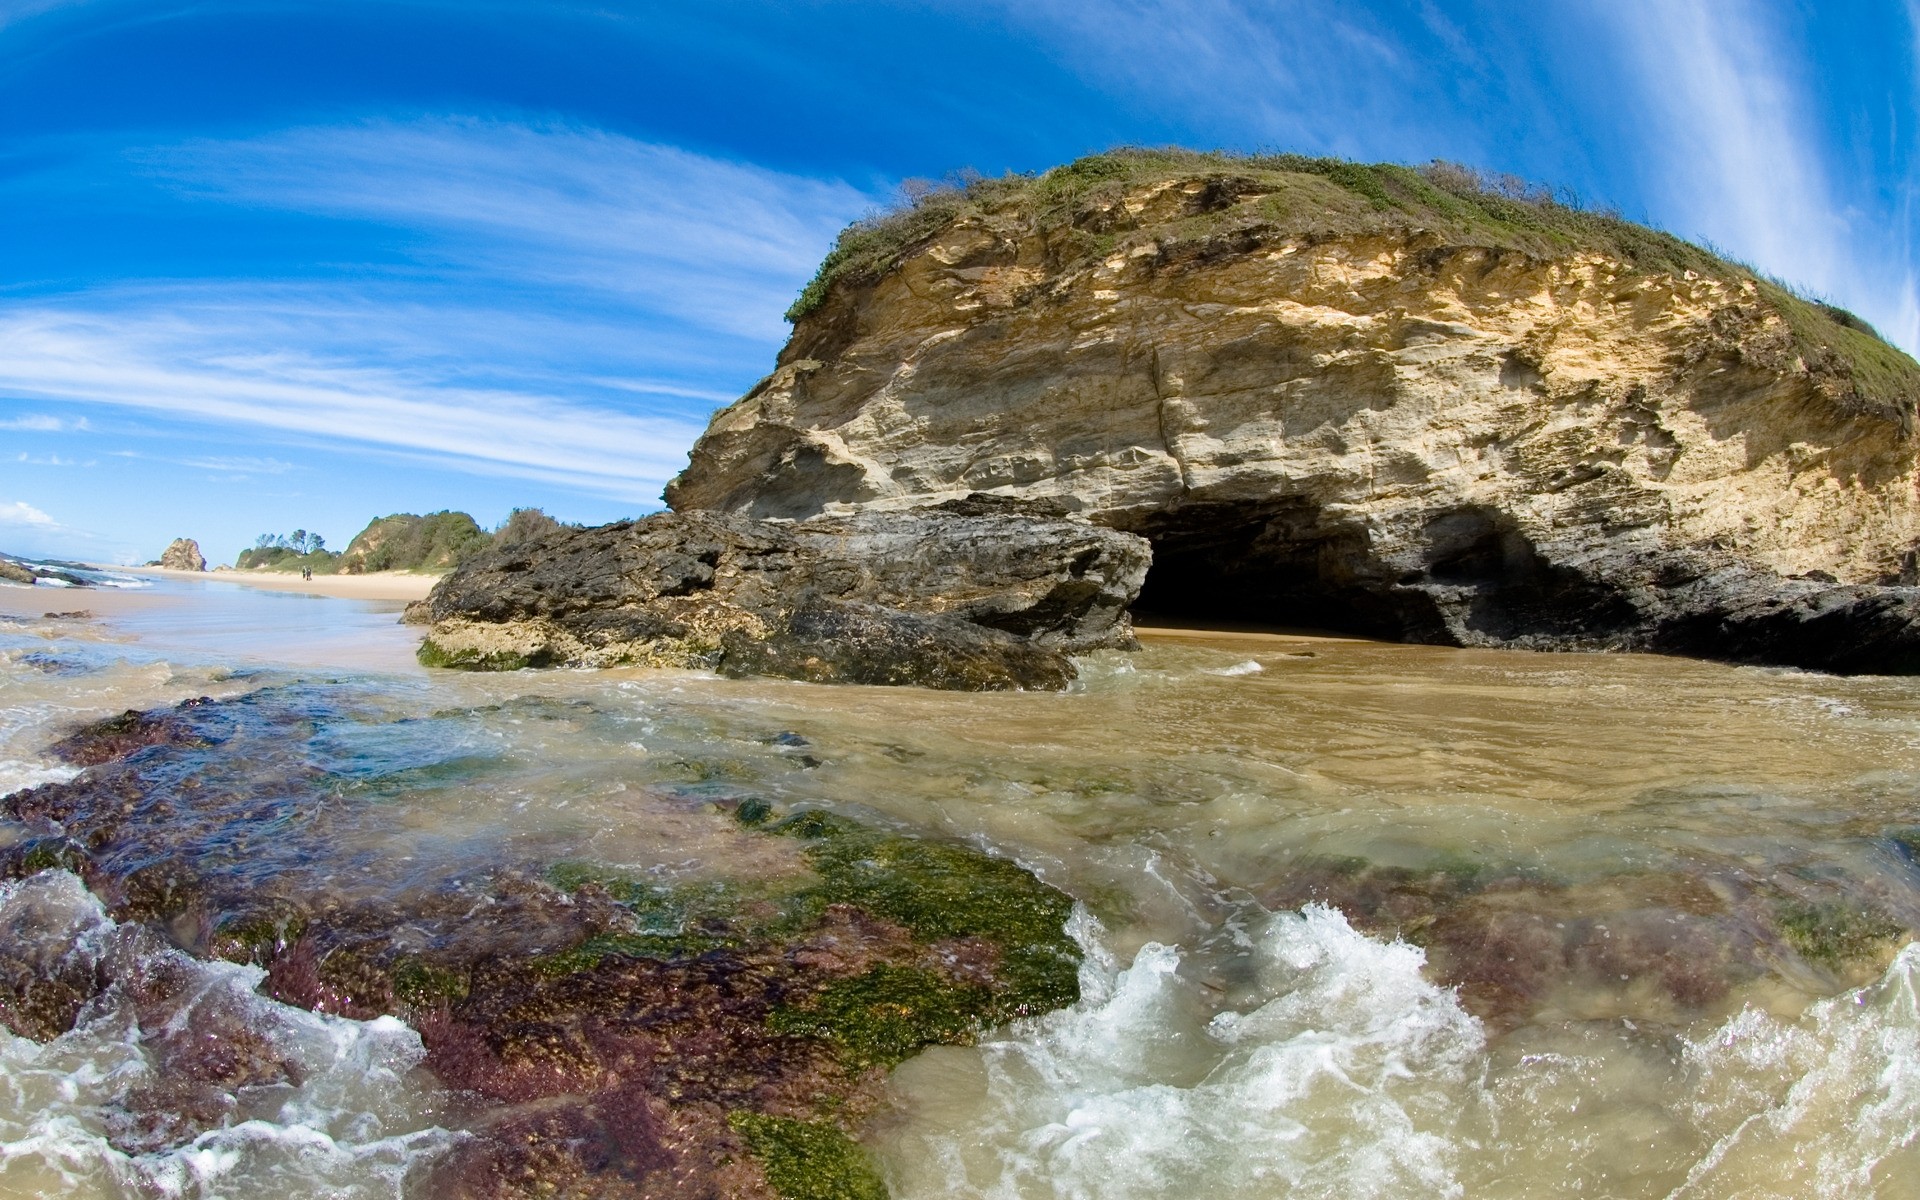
[375,585]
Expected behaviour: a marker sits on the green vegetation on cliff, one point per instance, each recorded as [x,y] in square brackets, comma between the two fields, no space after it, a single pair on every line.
[401,542]
[1251,200]
[407,542]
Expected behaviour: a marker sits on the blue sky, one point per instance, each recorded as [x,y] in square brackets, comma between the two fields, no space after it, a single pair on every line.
[269,264]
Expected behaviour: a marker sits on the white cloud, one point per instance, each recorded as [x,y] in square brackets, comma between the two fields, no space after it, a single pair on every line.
[20,513]
[166,363]
[577,302]
[41,423]
[1737,159]
[721,245]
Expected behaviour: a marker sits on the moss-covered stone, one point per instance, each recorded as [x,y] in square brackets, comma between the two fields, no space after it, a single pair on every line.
[887,1015]
[941,891]
[1835,934]
[809,1160]
[432,654]
[604,1024]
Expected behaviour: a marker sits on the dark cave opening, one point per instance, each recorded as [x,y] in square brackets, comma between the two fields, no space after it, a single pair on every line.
[1468,574]
[1278,564]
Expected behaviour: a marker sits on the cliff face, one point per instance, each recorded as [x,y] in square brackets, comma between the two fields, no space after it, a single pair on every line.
[1388,419]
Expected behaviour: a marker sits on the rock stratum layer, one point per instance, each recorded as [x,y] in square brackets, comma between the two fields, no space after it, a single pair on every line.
[1360,398]
[973,597]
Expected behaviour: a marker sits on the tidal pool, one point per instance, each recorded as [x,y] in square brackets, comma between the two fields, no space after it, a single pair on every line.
[1353,919]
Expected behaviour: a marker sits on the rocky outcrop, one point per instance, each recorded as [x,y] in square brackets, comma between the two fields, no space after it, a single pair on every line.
[972,596]
[1364,399]
[183,554]
[13,572]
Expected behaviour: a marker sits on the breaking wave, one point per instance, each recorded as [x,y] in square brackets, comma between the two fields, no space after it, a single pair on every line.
[176,1079]
[1339,1081]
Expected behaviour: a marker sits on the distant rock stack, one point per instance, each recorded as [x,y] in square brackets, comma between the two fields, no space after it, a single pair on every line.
[183,555]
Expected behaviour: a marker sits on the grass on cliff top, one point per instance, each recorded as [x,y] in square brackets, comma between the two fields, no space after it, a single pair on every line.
[1281,196]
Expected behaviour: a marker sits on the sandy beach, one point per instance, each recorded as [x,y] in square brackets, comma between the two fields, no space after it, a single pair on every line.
[377,585]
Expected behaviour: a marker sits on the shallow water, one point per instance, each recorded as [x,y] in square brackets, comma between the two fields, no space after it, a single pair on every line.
[1361,920]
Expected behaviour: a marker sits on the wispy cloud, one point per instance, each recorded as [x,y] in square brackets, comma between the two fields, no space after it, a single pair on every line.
[239,466]
[49,460]
[167,364]
[1737,159]
[18,513]
[41,423]
[575,303]
[717,244]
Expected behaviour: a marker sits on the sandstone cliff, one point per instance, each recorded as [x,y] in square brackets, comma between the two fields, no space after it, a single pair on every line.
[1366,398]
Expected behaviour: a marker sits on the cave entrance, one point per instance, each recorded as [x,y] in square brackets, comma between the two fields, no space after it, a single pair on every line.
[1468,575]
[1274,564]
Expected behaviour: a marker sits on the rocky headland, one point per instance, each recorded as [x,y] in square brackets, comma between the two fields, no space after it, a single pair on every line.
[1408,404]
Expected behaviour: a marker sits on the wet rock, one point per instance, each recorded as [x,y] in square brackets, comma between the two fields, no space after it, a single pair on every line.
[183,554]
[117,737]
[618,1037]
[964,600]
[13,572]
[1655,945]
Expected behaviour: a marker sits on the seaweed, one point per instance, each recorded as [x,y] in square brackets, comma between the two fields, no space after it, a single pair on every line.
[1833,933]
[432,654]
[808,1160]
[884,1017]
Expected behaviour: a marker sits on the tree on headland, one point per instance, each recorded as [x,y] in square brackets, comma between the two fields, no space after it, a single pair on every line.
[436,541]
[524,525]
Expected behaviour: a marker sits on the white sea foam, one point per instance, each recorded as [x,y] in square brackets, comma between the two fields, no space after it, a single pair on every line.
[1338,1082]
[1249,667]
[1827,1106]
[353,1122]
[16,774]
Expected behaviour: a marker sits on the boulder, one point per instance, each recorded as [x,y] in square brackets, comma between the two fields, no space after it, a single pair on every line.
[972,596]
[13,572]
[1362,399]
[183,554]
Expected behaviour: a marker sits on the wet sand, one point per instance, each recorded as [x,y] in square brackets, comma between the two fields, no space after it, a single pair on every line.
[378,585]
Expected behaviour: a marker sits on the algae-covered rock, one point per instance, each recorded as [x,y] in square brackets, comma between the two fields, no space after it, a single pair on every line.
[619,1036]
[965,599]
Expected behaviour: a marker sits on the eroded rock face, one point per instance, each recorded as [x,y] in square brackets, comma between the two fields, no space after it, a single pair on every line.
[970,597]
[183,554]
[1377,430]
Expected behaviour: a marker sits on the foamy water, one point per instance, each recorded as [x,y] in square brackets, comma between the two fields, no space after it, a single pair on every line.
[1620,831]
[345,1112]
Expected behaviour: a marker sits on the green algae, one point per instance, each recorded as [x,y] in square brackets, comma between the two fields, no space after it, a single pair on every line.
[433,654]
[1835,934]
[676,921]
[809,1160]
[421,984]
[255,938]
[50,853]
[940,891]
[884,1017]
